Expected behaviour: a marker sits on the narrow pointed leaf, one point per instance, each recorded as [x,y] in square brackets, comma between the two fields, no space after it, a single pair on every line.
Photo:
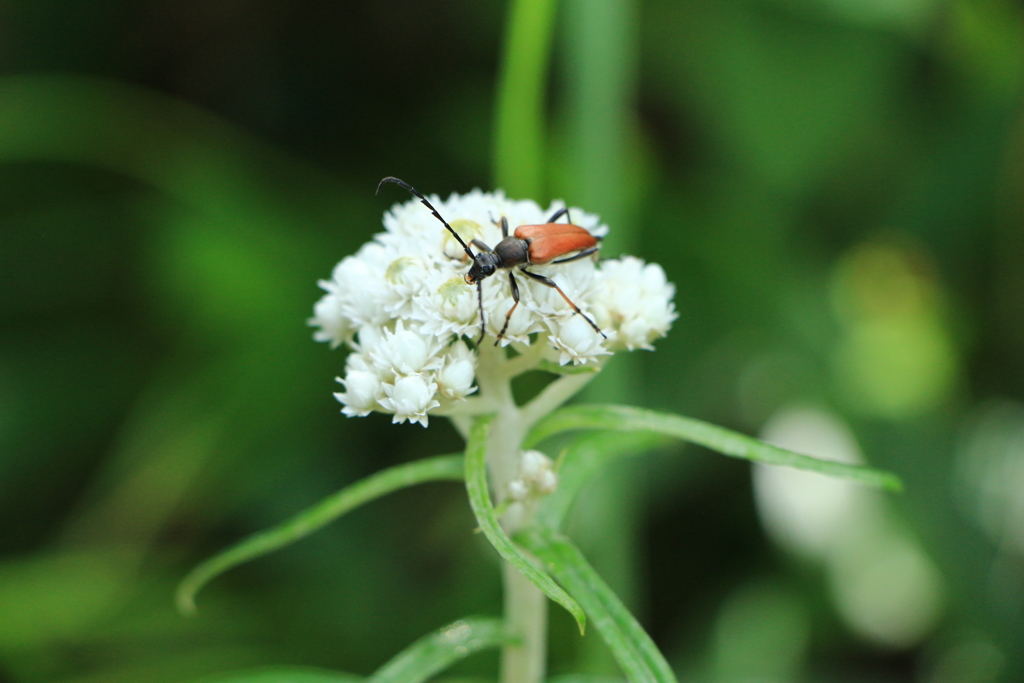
[483,508]
[441,468]
[435,652]
[632,648]
[585,678]
[725,441]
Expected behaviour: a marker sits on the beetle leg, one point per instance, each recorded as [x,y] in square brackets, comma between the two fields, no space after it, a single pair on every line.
[479,244]
[564,211]
[551,283]
[480,302]
[508,316]
[582,254]
[503,224]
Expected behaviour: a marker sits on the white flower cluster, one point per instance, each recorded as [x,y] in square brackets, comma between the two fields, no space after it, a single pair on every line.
[403,305]
[536,476]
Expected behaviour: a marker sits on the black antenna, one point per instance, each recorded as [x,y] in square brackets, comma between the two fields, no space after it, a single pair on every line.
[413,190]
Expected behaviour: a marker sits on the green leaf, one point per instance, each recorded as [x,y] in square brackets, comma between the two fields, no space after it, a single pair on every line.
[519,126]
[581,461]
[280,674]
[725,441]
[632,648]
[483,508]
[440,468]
[584,678]
[435,652]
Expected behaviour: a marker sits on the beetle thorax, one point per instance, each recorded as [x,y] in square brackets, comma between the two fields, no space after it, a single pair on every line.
[512,251]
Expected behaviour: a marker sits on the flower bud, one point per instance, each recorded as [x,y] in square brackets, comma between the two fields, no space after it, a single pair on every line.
[533,463]
[547,482]
[535,476]
[517,489]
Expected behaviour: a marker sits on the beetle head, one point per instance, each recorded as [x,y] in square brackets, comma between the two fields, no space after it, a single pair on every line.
[484,265]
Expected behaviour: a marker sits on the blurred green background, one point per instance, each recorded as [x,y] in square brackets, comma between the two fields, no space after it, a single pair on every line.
[835,186]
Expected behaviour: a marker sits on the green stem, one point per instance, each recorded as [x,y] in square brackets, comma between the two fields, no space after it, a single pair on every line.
[553,396]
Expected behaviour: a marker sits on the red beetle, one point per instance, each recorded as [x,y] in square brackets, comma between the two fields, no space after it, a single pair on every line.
[529,245]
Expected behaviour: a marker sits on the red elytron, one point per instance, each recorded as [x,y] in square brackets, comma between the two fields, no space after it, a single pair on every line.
[551,240]
[529,245]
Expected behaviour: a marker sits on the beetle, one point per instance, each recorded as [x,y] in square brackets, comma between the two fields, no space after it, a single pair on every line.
[529,245]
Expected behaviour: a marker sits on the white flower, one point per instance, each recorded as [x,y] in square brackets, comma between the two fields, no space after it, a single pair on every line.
[334,326]
[367,338]
[403,352]
[578,342]
[635,300]
[363,388]
[455,380]
[447,306]
[524,321]
[410,398]
[354,283]
[402,304]
[406,277]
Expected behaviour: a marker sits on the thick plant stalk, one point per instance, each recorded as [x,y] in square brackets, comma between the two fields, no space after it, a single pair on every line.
[525,605]
[526,611]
